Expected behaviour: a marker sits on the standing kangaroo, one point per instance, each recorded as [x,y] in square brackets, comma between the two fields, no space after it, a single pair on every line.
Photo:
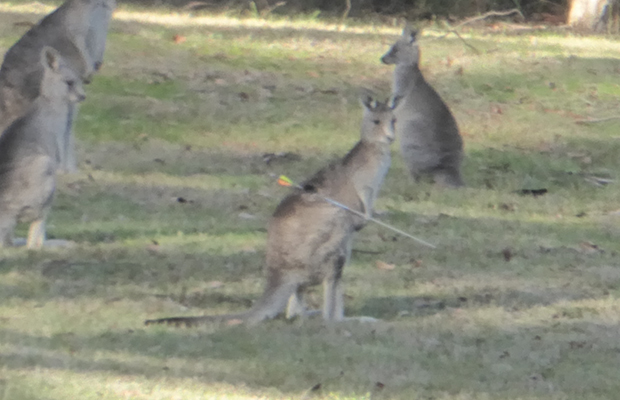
[77,30]
[429,137]
[29,148]
[309,239]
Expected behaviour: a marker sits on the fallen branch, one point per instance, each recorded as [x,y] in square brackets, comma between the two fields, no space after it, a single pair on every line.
[453,29]
[346,11]
[485,16]
[595,120]
[270,9]
[463,40]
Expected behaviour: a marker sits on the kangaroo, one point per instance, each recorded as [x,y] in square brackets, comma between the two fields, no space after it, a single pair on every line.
[308,238]
[77,29]
[95,44]
[28,151]
[429,137]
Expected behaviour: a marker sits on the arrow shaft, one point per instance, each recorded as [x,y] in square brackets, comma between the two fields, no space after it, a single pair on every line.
[383,224]
[334,202]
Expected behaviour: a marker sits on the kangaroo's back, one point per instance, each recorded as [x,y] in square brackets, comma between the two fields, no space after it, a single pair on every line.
[429,137]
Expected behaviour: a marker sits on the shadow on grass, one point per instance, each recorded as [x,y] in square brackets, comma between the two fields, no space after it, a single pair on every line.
[295,357]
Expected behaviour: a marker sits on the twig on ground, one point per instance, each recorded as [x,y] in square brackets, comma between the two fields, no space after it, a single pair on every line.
[367,251]
[595,120]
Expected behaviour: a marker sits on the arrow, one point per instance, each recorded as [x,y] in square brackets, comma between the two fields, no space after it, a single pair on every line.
[285,181]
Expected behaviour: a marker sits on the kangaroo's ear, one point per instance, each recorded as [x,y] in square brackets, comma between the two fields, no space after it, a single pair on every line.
[394,101]
[50,58]
[367,98]
[409,33]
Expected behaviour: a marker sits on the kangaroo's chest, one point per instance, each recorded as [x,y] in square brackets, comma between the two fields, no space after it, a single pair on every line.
[370,179]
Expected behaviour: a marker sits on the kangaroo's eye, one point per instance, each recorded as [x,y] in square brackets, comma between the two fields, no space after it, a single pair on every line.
[70,83]
[376,121]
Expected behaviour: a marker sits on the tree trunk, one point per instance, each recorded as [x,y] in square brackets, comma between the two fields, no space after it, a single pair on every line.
[589,15]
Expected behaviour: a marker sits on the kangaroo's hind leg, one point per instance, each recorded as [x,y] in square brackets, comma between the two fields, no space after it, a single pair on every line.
[296,306]
[36,234]
[333,292]
[7,225]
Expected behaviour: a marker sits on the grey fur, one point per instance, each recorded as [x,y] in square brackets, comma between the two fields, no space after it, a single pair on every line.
[429,136]
[77,30]
[29,151]
[309,240]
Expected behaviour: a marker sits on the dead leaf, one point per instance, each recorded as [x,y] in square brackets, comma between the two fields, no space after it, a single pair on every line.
[577,344]
[248,249]
[247,216]
[234,322]
[507,253]
[183,200]
[215,284]
[329,91]
[533,192]
[179,38]
[507,207]
[153,249]
[27,24]
[589,248]
[385,266]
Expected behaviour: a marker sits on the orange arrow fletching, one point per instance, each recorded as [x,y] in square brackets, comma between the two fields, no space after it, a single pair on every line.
[284,181]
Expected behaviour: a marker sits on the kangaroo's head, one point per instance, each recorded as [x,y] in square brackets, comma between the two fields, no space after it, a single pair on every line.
[378,120]
[98,25]
[405,51]
[60,83]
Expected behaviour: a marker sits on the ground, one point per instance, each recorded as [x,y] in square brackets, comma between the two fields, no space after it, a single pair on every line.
[180,138]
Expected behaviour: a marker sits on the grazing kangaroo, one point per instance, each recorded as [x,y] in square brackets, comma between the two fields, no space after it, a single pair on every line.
[77,30]
[429,137]
[29,148]
[309,239]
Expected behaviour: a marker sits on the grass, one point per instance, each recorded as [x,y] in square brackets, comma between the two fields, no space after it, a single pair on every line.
[169,209]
